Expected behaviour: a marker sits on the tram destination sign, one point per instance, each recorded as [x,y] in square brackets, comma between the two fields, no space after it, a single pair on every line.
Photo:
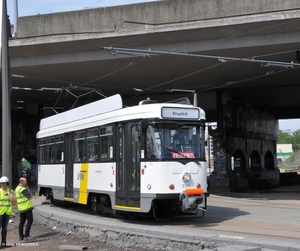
[180,113]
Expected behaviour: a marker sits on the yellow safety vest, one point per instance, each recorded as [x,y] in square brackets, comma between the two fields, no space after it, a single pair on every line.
[5,203]
[23,202]
[177,143]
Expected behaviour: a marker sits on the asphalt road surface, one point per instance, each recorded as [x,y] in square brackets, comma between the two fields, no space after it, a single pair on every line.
[269,220]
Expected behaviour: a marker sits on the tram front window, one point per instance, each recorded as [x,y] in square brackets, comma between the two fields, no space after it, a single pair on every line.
[171,141]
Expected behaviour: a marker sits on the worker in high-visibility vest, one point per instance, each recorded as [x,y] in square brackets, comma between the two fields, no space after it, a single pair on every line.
[6,207]
[25,207]
[180,141]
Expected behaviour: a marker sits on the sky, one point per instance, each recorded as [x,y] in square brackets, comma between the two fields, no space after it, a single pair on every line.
[35,7]
[289,125]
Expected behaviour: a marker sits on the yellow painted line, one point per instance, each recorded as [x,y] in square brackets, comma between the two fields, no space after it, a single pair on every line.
[83,183]
[124,207]
[67,198]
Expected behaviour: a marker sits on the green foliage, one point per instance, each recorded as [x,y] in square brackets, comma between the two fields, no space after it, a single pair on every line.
[290,138]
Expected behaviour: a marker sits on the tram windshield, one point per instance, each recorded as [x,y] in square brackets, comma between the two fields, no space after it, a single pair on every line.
[172,141]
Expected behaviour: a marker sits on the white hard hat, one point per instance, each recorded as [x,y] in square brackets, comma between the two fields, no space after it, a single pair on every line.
[4,179]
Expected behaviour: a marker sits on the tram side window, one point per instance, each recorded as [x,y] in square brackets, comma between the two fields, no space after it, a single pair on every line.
[42,150]
[59,142]
[92,145]
[50,150]
[153,144]
[106,140]
[80,147]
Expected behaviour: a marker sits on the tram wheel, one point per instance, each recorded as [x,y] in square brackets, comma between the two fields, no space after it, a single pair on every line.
[49,196]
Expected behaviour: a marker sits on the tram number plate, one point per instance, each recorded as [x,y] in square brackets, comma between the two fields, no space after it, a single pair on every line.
[186,185]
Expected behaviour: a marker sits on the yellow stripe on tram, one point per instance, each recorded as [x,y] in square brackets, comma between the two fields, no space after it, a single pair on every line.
[83,183]
[69,199]
[124,207]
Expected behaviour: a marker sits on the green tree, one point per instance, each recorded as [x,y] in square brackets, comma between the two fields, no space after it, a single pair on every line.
[290,138]
[296,140]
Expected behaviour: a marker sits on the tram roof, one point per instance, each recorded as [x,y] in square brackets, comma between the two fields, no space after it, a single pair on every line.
[89,110]
[110,110]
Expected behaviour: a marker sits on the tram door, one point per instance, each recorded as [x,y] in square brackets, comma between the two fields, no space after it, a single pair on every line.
[69,160]
[128,167]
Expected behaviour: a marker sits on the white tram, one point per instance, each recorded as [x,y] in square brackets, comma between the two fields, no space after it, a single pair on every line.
[124,160]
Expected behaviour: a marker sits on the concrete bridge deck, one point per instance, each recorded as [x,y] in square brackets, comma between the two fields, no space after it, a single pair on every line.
[64,49]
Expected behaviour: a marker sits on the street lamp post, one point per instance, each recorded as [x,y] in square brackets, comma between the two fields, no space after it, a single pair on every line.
[16,17]
[6,90]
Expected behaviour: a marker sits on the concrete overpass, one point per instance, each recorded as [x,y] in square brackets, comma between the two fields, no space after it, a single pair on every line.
[64,49]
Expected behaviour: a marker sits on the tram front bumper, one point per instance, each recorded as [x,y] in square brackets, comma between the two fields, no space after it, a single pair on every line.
[192,199]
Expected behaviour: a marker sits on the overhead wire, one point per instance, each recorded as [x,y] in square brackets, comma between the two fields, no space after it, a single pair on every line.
[173,80]
[227,38]
[240,81]
[144,58]
[108,74]
[192,73]
[201,70]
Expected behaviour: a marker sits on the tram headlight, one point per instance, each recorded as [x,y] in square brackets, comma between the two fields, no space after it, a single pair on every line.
[148,186]
[186,177]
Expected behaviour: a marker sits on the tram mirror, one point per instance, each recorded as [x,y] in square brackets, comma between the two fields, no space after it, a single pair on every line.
[210,131]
